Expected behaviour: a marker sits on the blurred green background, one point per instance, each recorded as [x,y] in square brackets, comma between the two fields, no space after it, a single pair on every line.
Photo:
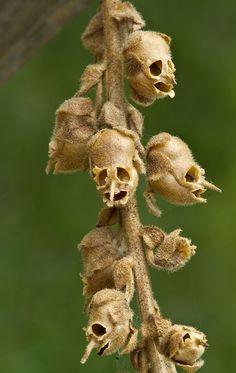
[44,217]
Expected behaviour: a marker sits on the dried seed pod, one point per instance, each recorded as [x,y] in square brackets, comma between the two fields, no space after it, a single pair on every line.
[93,36]
[110,324]
[68,148]
[114,165]
[99,255]
[167,251]
[184,345]
[149,65]
[172,171]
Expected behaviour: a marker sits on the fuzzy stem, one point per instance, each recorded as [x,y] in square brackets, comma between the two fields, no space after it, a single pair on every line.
[114,41]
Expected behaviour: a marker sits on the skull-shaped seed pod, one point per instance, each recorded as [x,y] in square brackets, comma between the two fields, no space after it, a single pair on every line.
[184,345]
[114,165]
[149,65]
[110,324]
[173,172]
[98,249]
[68,148]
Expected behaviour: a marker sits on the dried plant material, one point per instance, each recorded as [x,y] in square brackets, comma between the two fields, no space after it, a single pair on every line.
[127,12]
[141,361]
[123,277]
[108,216]
[152,236]
[112,116]
[150,67]
[185,345]
[135,119]
[114,163]
[68,147]
[98,249]
[93,36]
[167,251]
[91,77]
[110,324]
[173,173]
[151,202]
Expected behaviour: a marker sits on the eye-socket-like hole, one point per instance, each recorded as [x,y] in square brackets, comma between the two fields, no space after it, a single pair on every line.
[122,174]
[186,336]
[192,174]
[156,68]
[120,195]
[103,349]
[98,330]
[163,87]
[102,177]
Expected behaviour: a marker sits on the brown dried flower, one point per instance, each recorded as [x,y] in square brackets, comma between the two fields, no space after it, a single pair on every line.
[149,65]
[110,324]
[114,164]
[184,345]
[172,171]
[68,148]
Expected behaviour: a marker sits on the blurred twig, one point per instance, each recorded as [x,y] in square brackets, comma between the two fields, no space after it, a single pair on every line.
[25,25]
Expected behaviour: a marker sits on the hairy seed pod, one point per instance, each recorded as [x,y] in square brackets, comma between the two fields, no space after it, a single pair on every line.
[68,148]
[150,67]
[99,254]
[173,172]
[114,165]
[185,345]
[164,251]
[110,324]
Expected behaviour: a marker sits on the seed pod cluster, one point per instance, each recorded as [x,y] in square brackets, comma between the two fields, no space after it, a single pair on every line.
[104,138]
[150,67]
[173,172]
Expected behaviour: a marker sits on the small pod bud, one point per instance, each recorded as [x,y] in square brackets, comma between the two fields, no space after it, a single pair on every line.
[114,164]
[173,172]
[68,148]
[149,65]
[99,255]
[185,345]
[109,328]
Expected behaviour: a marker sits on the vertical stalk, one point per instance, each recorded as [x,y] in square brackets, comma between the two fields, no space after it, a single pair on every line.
[114,41]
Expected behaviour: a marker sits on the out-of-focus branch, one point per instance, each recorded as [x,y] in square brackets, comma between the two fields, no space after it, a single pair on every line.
[26,25]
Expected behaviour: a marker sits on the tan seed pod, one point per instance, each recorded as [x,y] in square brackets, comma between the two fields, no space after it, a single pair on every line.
[114,165]
[149,66]
[184,345]
[173,172]
[93,36]
[110,324]
[99,254]
[68,148]
[168,252]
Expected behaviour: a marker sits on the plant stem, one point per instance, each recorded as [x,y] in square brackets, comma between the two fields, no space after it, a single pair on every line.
[130,222]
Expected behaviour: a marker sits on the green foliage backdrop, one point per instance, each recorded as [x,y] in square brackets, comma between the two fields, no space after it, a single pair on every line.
[44,217]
